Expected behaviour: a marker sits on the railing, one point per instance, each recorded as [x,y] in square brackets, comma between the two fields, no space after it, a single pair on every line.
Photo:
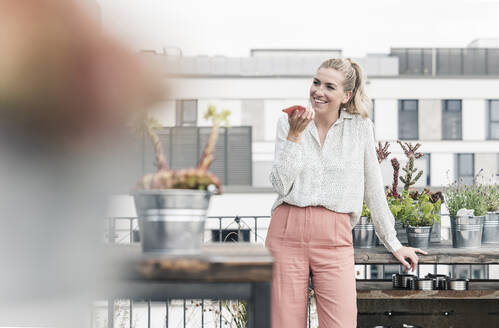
[125,231]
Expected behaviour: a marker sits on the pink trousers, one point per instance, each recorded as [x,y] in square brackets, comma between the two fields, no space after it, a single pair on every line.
[316,242]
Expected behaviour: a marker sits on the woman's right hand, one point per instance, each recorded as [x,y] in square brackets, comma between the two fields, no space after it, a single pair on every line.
[298,122]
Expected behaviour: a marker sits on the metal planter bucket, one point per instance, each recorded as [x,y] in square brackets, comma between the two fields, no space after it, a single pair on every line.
[401,232]
[466,231]
[419,236]
[490,234]
[363,234]
[172,221]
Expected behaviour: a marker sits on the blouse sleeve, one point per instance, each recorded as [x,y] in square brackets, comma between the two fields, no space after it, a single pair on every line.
[374,194]
[288,159]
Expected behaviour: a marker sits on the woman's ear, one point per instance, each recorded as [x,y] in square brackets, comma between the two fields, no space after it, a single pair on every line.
[347,97]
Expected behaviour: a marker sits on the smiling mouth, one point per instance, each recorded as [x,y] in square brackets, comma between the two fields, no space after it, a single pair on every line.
[319,102]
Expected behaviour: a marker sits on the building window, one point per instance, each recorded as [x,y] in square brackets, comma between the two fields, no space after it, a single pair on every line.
[184,146]
[465,168]
[414,61]
[493,118]
[408,120]
[186,112]
[452,120]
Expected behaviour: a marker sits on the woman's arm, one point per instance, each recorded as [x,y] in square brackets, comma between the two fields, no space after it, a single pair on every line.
[288,156]
[375,198]
[374,194]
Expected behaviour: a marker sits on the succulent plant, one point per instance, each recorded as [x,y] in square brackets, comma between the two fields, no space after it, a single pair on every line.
[189,178]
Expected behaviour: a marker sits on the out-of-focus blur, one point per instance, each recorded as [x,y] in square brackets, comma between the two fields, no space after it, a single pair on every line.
[66,90]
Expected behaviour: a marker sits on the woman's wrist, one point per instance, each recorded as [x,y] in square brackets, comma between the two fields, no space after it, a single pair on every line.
[294,138]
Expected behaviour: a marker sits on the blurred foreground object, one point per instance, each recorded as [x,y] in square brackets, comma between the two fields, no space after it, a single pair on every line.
[66,90]
[60,76]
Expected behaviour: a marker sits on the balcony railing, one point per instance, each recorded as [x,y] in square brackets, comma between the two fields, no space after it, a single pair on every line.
[216,313]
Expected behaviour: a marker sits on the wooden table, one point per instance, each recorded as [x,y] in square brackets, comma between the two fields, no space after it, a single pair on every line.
[380,304]
[221,271]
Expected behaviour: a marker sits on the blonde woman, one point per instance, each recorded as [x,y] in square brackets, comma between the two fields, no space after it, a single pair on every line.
[325,166]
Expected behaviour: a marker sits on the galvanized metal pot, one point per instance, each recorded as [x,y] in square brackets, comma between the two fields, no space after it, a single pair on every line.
[466,231]
[490,234]
[419,236]
[400,228]
[172,221]
[363,234]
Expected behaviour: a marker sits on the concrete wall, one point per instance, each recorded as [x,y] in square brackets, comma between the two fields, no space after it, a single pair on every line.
[253,111]
[474,119]
[430,119]
[487,162]
[442,164]
[386,120]
[235,107]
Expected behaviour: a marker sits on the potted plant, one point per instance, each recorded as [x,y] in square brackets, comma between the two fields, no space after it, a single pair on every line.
[419,224]
[363,234]
[172,204]
[412,175]
[466,229]
[408,204]
[490,233]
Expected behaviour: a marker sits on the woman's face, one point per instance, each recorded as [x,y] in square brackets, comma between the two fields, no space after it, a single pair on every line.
[326,92]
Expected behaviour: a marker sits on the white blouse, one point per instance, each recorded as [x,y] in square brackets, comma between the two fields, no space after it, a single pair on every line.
[338,176]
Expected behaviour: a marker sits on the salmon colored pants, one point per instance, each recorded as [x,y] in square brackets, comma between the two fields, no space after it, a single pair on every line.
[312,241]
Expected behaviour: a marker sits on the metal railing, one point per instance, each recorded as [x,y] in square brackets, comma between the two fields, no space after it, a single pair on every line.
[124,230]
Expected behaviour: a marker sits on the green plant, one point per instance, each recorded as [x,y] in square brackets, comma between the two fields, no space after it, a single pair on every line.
[191,178]
[402,206]
[238,313]
[471,197]
[492,198]
[365,211]
[491,190]
[417,213]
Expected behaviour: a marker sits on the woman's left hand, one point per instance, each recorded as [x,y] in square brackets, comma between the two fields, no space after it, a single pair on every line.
[409,253]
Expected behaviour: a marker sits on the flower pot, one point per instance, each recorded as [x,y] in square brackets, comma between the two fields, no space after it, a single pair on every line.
[490,234]
[419,236]
[172,221]
[466,231]
[436,233]
[401,232]
[363,234]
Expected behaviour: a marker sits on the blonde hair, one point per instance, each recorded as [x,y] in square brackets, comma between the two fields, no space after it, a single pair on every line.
[359,102]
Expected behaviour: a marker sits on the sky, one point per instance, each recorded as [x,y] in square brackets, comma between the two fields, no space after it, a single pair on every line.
[358,27]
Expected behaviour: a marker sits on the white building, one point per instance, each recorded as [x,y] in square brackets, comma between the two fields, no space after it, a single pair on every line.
[447,99]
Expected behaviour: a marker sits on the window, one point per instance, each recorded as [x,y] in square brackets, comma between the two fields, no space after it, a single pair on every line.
[408,120]
[452,120]
[184,146]
[414,61]
[449,61]
[493,119]
[465,168]
[186,112]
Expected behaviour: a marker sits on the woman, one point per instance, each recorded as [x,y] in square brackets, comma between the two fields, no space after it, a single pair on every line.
[325,166]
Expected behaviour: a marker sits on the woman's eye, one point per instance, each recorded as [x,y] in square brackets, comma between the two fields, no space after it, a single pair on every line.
[316,83]
[330,88]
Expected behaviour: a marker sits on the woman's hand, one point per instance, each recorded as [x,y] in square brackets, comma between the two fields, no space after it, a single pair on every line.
[298,122]
[408,253]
